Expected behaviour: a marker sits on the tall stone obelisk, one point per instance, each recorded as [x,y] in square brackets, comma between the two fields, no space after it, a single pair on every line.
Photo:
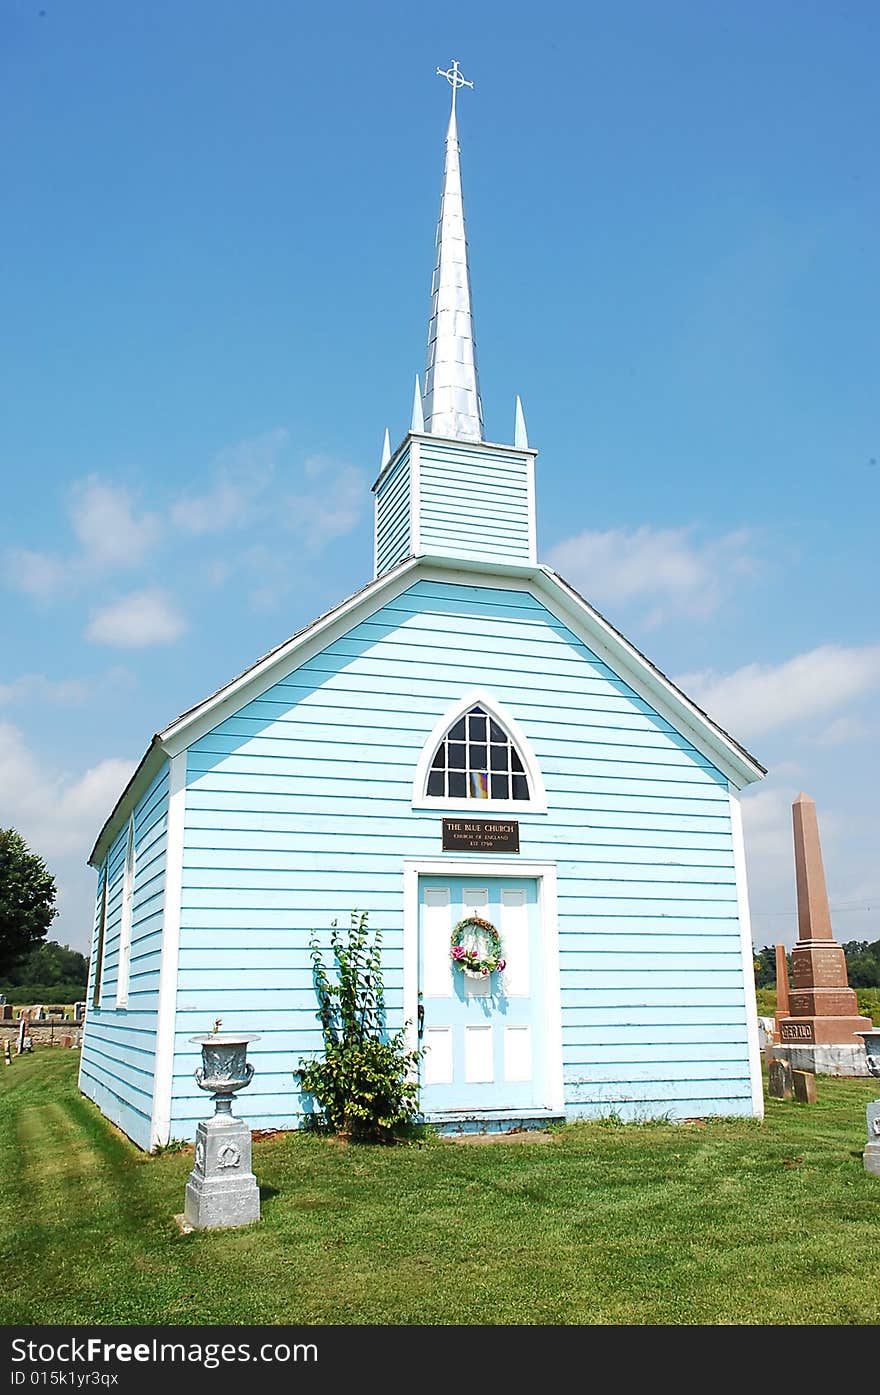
[819,1031]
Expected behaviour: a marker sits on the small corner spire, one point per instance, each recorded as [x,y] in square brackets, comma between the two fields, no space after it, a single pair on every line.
[418,417]
[386,451]
[520,435]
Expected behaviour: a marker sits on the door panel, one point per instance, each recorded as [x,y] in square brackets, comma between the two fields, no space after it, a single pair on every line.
[482,1037]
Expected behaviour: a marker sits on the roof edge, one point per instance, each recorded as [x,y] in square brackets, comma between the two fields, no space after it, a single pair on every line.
[166,742]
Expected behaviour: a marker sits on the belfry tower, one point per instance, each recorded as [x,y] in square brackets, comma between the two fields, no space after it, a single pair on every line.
[446,493]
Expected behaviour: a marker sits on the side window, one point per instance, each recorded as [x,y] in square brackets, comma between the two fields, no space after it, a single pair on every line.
[125,924]
[99,940]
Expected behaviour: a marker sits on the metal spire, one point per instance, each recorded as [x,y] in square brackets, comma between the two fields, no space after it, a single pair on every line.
[452,404]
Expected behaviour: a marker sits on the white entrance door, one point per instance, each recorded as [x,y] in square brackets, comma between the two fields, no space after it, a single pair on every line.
[483,1039]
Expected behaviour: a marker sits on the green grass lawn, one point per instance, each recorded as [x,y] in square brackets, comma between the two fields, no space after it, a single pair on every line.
[722,1222]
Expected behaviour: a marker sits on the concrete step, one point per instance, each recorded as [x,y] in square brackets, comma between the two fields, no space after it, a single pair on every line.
[452,1122]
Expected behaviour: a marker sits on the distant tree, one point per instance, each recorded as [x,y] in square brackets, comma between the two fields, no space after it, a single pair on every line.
[50,964]
[765,967]
[27,898]
[863,963]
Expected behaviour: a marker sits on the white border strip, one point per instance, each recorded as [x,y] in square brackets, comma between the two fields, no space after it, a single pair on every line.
[163,1070]
[545,874]
[748,958]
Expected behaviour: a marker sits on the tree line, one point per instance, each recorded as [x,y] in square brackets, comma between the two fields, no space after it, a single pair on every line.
[32,968]
[862,964]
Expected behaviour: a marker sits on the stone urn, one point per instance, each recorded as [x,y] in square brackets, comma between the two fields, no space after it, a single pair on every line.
[222,1190]
[871,1155]
[872,1050]
[225,1067]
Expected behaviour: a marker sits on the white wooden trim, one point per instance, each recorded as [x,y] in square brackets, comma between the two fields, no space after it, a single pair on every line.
[375,536]
[545,875]
[666,699]
[538,802]
[164,1064]
[415,498]
[748,954]
[560,599]
[532,514]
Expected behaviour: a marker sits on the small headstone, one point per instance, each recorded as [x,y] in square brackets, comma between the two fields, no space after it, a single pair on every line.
[871,1154]
[6,1012]
[804,1086]
[7,1052]
[779,1087]
[79,1012]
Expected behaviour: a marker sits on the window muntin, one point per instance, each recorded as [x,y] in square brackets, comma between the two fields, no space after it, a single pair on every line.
[477,760]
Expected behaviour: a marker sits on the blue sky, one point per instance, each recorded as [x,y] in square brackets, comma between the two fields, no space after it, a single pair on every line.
[217,241]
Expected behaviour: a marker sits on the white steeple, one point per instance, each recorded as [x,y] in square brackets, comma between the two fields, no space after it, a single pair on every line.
[451,403]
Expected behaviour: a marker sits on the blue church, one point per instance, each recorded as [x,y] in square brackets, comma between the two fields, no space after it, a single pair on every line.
[464,737]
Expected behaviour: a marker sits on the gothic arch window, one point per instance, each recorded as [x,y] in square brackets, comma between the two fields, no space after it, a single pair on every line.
[476,756]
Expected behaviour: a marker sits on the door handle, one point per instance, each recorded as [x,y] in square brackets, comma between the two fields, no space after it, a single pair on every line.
[421,1017]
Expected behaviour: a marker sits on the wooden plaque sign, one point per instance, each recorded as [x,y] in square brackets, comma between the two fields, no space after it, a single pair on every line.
[481,835]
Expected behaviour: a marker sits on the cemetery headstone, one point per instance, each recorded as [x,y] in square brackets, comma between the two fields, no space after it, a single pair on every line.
[780,1086]
[804,1086]
[818,1033]
[871,1154]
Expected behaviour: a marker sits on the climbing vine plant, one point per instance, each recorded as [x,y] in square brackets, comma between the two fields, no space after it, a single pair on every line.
[365,1083]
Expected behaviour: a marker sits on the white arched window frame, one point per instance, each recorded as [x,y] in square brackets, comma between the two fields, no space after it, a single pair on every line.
[537,801]
[125,921]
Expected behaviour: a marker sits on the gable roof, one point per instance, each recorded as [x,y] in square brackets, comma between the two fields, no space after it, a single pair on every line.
[612,647]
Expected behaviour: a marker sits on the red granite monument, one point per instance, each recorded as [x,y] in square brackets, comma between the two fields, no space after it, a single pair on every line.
[822,1019]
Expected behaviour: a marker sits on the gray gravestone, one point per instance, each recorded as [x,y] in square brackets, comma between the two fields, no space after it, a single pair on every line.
[779,1086]
[222,1190]
[871,1154]
[804,1086]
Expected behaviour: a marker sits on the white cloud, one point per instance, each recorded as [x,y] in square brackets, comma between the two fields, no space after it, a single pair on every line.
[844,731]
[243,473]
[331,509]
[37,687]
[136,621]
[761,697]
[60,813]
[669,569]
[37,574]
[111,537]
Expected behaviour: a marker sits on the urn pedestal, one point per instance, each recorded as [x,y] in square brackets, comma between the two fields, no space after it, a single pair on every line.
[222,1190]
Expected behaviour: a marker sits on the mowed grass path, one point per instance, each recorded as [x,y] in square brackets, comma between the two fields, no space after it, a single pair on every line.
[733,1222]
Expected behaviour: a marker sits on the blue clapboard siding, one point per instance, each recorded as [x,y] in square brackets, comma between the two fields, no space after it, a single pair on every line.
[393,541]
[119,1044]
[299,810]
[474,499]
